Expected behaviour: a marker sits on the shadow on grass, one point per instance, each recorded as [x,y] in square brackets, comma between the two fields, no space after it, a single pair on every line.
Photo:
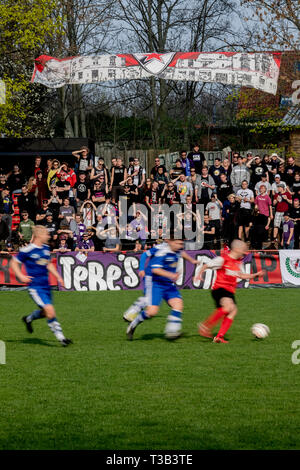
[32,341]
[152,336]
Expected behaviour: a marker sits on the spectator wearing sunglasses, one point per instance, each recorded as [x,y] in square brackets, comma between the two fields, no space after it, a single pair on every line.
[154,170]
[99,191]
[170,195]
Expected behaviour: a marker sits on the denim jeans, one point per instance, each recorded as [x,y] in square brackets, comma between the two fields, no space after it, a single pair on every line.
[289,246]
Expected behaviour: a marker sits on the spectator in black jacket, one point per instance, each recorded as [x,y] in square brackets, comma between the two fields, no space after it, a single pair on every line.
[295,216]
[197,159]
[290,169]
[4,233]
[230,217]
[154,170]
[3,180]
[16,179]
[224,188]
[216,170]
[6,209]
[26,202]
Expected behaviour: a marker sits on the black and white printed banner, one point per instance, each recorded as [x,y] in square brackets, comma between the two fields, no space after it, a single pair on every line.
[256,70]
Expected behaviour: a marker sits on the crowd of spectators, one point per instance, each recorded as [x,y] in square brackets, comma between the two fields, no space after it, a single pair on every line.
[252,198]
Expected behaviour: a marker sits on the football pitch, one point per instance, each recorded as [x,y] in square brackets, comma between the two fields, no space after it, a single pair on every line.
[105,392]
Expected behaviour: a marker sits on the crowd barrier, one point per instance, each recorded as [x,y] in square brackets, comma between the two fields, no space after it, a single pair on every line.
[119,271]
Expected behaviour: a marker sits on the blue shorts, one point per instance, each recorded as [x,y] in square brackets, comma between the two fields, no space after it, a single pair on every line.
[41,296]
[155,292]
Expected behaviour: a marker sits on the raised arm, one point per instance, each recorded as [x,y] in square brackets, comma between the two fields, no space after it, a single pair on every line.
[112,178]
[217,263]
[77,153]
[189,258]
[248,164]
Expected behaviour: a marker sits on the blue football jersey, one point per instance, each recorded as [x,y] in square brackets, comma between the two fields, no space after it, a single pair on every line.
[36,260]
[166,259]
[147,256]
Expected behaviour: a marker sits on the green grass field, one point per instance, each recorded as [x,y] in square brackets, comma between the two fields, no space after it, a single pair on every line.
[104,392]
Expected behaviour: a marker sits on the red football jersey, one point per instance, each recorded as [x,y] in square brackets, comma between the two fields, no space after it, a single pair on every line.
[225,279]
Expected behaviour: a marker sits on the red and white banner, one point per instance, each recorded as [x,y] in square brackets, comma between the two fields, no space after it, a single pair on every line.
[256,70]
[7,276]
[271,265]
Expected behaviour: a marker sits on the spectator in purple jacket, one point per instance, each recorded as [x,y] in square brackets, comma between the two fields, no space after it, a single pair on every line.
[85,244]
[186,163]
[287,241]
[138,224]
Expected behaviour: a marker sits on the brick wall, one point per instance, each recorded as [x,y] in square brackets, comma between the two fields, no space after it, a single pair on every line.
[294,147]
[265,105]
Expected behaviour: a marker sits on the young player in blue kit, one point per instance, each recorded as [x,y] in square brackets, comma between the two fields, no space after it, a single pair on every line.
[160,278]
[142,302]
[36,258]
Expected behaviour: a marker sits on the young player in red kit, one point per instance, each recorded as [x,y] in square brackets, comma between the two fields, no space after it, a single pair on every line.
[229,269]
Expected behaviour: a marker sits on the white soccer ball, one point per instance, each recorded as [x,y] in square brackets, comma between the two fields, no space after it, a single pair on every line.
[260,331]
[172,330]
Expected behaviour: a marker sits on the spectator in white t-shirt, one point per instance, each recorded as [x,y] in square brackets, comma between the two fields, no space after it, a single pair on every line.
[263,181]
[245,197]
[274,186]
[214,210]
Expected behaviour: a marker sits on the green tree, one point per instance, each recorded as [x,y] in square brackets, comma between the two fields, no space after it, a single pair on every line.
[25,27]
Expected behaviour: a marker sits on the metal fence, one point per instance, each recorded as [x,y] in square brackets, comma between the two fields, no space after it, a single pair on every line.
[167,158]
